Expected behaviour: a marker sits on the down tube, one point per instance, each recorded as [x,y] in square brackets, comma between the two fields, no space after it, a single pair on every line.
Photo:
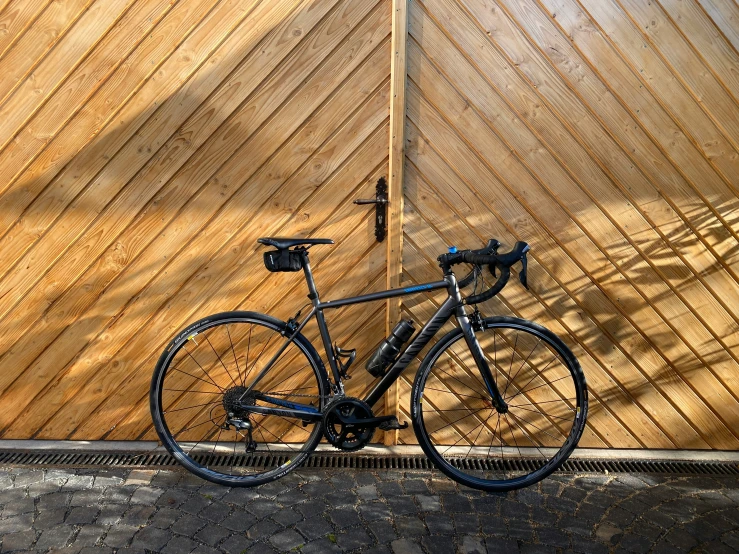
[441,316]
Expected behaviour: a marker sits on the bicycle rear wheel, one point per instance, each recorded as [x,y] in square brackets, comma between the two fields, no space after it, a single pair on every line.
[198,387]
[465,436]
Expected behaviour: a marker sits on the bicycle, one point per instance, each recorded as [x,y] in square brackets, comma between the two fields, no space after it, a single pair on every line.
[498,403]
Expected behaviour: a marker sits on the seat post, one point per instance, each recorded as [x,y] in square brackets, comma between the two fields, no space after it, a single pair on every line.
[312,292]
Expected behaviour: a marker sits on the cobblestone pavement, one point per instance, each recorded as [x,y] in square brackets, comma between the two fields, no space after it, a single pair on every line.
[365,511]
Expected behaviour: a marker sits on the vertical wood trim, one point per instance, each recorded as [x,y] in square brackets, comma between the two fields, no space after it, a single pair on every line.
[395,182]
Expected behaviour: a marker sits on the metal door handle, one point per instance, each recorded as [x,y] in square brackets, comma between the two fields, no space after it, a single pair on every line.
[380,201]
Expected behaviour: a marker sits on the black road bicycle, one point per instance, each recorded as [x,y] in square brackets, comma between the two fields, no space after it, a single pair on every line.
[498,403]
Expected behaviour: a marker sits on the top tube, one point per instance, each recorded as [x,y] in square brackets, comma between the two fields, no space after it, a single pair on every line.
[382,295]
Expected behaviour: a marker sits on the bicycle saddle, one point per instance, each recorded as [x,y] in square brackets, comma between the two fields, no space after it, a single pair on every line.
[284,242]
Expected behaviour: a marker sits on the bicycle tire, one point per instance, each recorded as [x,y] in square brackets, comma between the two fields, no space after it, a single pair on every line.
[210,340]
[495,466]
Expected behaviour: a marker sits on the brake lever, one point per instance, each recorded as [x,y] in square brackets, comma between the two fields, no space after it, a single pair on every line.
[523,274]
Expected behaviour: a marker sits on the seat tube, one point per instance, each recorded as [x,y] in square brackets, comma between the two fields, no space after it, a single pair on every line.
[321,320]
[312,292]
[482,364]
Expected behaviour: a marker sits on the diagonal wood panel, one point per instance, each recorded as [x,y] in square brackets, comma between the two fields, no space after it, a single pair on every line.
[146,144]
[602,134]
[139,176]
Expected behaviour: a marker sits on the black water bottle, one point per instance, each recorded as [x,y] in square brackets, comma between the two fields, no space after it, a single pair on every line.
[389,348]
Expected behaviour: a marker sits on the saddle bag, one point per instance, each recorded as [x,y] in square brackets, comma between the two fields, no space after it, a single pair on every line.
[283,260]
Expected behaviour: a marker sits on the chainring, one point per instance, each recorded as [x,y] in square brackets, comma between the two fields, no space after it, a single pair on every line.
[343,434]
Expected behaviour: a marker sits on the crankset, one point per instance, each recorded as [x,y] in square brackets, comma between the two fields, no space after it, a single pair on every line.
[348,423]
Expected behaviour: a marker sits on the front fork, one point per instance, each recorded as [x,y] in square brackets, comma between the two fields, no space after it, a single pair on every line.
[482,364]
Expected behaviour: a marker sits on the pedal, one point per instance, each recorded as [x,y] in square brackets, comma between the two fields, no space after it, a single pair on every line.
[392,425]
[344,367]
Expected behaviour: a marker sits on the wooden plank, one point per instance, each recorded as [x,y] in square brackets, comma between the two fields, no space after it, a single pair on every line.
[601,194]
[423,270]
[574,317]
[395,182]
[581,256]
[670,95]
[725,15]
[53,24]
[96,90]
[343,329]
[266,298]
[126,333]
[516,303]
[686,63]
[52,72]
[118,199]
[259,148]
[16,17]
[707,41]
[153,114]
[164,283]
[591,223]
[630,168]
[602,233]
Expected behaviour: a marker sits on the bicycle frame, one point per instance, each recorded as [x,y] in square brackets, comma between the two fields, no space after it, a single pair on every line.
[453,305]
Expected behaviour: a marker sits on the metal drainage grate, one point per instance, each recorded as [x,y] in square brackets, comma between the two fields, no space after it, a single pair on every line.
[343,461]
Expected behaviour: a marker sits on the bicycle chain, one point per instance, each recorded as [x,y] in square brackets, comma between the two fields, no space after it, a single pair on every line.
[294,394]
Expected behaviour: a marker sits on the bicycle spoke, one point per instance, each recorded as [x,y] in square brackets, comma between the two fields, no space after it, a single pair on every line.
[517,417]
[463,436]
[523,363]
[193,391]
[191,407]
[266,344]
[198,378]
[246,363]
[475,442]
[539,374]
[233,351]
[544,402]
[456,393]
[201,440]
[510,366]
[461,383]
[461,418]
[192,427]
[542,413]
[529,437]
[548,383]
[201,367]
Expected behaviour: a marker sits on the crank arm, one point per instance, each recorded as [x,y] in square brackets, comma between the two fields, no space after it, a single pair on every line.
[368,422]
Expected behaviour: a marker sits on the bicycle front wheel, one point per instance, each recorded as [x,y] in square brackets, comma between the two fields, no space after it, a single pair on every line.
[198,391]
[467,438]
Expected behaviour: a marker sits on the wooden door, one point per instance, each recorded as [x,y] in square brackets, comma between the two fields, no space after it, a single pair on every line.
[161,140]
[604,133]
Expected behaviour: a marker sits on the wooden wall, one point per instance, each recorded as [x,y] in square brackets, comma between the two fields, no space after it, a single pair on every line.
[146,144]
[604,133]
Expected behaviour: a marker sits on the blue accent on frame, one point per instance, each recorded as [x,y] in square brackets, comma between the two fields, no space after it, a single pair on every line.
[286,404]
[418,287]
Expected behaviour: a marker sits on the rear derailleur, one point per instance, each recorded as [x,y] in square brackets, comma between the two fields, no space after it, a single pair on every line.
[237,417]
[241,425]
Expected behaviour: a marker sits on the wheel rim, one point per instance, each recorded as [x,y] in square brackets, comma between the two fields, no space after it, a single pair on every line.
[474,443]
[196,391]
